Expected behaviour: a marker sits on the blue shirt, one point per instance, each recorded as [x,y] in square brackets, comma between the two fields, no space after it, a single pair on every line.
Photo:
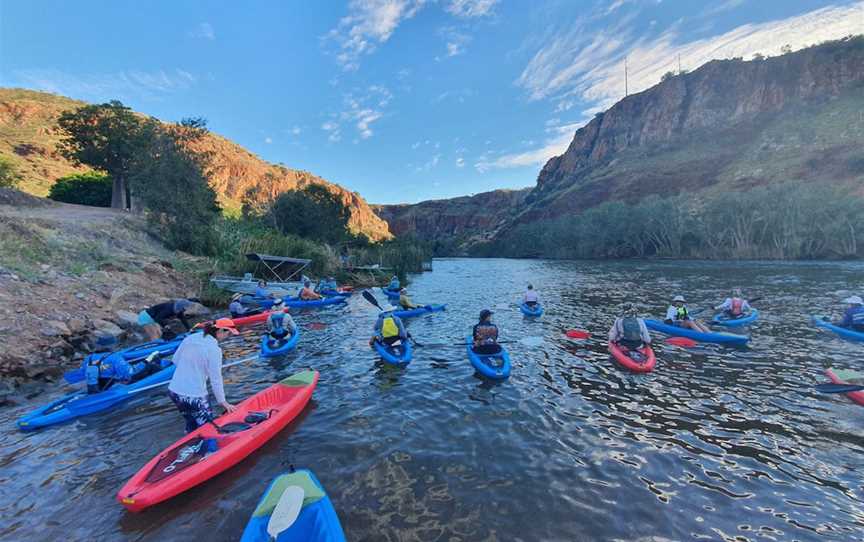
[854,317]
[394,284]
[261,292]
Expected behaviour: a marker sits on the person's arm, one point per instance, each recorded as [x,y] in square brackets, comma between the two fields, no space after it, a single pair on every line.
[643,330]
[726,305]
[671,313]
[289,323]
[403,333]
[378,325]
[847,319]
[182,317]
[745,306]
[614,334]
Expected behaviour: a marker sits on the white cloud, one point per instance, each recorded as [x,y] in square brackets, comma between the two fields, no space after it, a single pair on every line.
[460,162]
[573,64]
[470,8]
[296,130]
[368,24]
[557,142]
[268,140]
[334,131]
[127,85]
[430,164]
[203,31]
[728,5]
[361,109]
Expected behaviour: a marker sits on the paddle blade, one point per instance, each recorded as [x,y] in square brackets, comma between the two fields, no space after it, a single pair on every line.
[367,295]
[578,334]
[317,325]
[681,341]
[838,388]
[286,511]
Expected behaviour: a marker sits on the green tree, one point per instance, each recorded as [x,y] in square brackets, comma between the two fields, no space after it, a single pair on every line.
[9,177]
[91,188]
[312,212]
[171,182]
[106,137]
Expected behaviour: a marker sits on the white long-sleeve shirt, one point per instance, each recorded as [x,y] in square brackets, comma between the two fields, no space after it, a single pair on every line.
[198,358]
[531,297]
[727,305]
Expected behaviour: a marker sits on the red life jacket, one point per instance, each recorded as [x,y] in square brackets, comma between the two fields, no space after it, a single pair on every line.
[737,304]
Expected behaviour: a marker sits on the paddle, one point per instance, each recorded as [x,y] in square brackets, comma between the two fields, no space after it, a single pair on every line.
[232,364]
[441,345]
[286,511]
[838,388]
[681,341]
[578,334]
[368,296]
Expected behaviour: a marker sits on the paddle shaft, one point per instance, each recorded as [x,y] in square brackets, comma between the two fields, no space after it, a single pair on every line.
[232,364]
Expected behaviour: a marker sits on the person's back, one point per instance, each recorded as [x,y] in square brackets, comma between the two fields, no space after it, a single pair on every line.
[485,335]
[394,284]
[197,359]
[389,328]
[236,308]
[854,318]
[405,300]
[531,297]
[632,332]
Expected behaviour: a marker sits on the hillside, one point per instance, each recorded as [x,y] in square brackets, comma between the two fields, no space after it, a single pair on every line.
[28,137]
[729,125]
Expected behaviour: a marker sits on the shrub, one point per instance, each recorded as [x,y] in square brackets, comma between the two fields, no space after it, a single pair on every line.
[9,176]
[91,188]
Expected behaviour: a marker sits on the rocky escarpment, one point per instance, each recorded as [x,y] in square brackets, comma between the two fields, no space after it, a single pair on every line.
[458,221]
[28,136]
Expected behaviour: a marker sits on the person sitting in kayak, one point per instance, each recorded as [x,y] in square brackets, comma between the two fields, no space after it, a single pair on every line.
[308,294]
[239,310]
[485,335]
[389,328]
[102,372]
[279,323]
[394,284]
[262,291]
[531,298]
[153,318]
[327,285]
[405,301]
[199,359]
[677,315]
[735,306]
[629,330]
[853,318]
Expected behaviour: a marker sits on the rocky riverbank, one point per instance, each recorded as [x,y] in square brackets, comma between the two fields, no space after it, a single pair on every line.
[72,280]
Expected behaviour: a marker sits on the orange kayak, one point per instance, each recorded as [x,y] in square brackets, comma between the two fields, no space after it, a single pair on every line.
[644,363]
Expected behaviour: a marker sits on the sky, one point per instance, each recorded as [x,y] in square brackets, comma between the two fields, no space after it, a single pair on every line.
[399,100]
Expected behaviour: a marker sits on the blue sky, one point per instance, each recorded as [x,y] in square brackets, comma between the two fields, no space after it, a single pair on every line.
[399,100]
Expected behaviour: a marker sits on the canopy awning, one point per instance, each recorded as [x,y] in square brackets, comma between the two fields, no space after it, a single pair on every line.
[279,265]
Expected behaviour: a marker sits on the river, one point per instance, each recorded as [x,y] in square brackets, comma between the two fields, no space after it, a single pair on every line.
[715,444]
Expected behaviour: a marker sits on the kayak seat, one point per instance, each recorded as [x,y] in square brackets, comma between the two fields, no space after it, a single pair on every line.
[251,419]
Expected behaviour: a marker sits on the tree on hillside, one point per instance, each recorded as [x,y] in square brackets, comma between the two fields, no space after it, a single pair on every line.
[171,183]
[90,188]
[106,137]
[312,212]
[9,176]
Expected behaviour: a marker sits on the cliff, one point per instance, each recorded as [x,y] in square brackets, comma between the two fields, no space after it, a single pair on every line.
[28,136]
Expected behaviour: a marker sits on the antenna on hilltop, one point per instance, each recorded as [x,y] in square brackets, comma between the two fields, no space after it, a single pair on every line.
[626,90]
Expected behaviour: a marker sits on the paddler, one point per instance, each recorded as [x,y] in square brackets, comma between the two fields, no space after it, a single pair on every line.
[328,285]
[199,359]
[735,306]
[629,330]
[261,290]
[485,335]
[237,308]
[389,328]
[531,298]
[405,300]
[677,315]
[394,284]
[279,323]
[153,318]
[853,318]
[308,294]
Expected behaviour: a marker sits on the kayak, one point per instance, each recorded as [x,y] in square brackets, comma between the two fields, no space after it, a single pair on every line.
[644,364]
[271,347]
[496,366]
[848,377]
[131,354]
[403,355]
[419,311]
[528,311]
[316,522]
[332,293]
[722,319]
[297,303]
[713,337]
[253,319]
[206,452]
[846,333]
[82,403]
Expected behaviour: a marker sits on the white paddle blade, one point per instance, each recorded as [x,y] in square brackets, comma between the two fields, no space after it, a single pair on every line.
[286,511]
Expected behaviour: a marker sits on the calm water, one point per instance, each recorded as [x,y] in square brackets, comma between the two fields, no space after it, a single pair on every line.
[714,444]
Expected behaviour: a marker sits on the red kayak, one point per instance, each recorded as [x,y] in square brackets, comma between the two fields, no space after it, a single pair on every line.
[206,452]
[645,363]
[847,377]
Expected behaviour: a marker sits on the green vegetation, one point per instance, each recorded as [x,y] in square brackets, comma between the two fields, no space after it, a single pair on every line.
[91,188]
[9,176]
[312,212]
[783,221]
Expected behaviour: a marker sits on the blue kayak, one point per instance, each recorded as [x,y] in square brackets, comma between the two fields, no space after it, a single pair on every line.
[677,331]
[723,319]
[335,293]
[271,347]
[295,302]
[316,522]
[528,311]
[496,366]
[401,355]
[390,293]
[419,311]
[845,333]
[131,354]
[78,404]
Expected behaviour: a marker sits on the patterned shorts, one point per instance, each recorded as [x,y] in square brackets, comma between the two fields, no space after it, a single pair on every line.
[195,410]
